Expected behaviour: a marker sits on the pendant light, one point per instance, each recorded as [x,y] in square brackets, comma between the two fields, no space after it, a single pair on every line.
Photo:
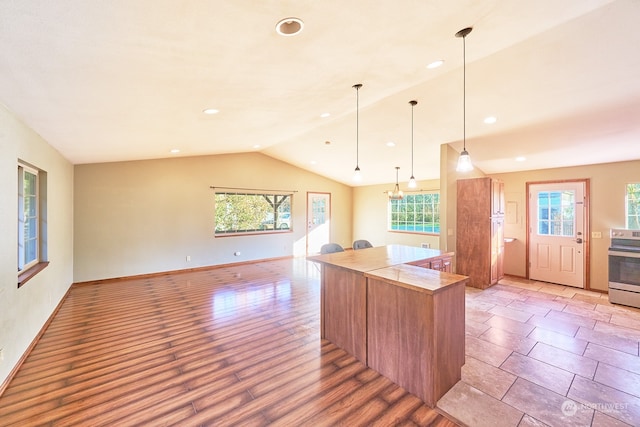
[464,161]
[356,174]
[412,180]
[396,194]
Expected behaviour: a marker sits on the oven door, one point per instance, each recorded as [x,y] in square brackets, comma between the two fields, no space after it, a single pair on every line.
[624,270]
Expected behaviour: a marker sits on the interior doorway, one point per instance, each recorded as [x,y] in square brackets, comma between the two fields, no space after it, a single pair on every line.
[558,226]
[318,221]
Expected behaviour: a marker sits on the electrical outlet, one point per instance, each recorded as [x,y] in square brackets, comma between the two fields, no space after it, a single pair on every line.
[425,245]
[596,235]
[1,354]
[188,258]
[237,253]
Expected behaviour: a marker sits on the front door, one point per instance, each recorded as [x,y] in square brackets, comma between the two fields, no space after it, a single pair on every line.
[557,244]
[318,221]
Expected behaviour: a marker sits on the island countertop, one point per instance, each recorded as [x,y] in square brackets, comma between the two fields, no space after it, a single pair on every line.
[363,260]
[416,278]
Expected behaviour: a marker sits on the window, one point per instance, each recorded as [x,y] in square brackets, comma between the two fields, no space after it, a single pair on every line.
[242,213]
[556,213]
[632,204]
[416,213]
[32,250]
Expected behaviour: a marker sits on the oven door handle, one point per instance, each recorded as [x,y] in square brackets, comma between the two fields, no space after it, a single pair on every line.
[624,254]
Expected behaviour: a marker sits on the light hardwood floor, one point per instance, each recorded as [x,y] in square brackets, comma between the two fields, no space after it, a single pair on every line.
[227,346]
[240,346]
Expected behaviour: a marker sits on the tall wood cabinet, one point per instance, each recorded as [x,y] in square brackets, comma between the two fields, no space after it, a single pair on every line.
[480,231]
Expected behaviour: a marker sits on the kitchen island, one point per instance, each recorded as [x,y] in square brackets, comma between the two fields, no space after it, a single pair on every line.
[403,320]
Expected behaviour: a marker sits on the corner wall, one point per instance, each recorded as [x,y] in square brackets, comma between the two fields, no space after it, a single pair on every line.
[24,311]
[449,194]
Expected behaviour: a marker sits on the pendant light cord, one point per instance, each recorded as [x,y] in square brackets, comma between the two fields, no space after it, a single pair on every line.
[357,87]
[357,125]
[464,162]
[413,103]
[464,93]
[412,180]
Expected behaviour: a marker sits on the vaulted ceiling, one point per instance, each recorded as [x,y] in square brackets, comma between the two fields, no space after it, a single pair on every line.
[118,80]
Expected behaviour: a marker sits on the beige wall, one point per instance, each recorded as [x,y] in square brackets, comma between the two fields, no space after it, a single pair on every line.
[147,216]
[370,205]
[24,311]
[607,210]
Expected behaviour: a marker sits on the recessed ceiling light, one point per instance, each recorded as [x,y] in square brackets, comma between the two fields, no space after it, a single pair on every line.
[313,162]
[289,26]
[490,120]
[325,115]
[391,144]
[435,64]
[210,111]
[520,159]
[256,146]
[175,150]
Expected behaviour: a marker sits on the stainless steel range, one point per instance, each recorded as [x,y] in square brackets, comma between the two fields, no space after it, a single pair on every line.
[624,267]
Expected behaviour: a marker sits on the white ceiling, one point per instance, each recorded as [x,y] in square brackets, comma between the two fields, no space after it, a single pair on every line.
[117,80]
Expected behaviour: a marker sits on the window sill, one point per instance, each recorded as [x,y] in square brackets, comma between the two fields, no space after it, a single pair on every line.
[26,275]
[253,233]
[414,232]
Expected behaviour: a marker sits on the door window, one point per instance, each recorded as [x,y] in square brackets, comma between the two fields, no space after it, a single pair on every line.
[556,213]
[318,221]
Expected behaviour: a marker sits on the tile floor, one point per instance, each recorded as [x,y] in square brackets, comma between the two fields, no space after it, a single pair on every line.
[540,354]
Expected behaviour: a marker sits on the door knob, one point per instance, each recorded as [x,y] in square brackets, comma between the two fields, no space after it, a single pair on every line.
[578,240]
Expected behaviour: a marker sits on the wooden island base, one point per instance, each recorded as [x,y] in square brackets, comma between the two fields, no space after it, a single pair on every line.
[415,329]
[404,321]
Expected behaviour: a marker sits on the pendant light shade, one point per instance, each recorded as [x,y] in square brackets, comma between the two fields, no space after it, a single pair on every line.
[412,180]
[357,176]
[464,161]
[396,194]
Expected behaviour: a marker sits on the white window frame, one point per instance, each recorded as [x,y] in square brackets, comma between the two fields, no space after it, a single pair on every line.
[412,229]
[24,218]
[561,221]
[627,205]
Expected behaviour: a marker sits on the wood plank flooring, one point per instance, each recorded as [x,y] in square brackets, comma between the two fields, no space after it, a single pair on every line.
[226,346]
